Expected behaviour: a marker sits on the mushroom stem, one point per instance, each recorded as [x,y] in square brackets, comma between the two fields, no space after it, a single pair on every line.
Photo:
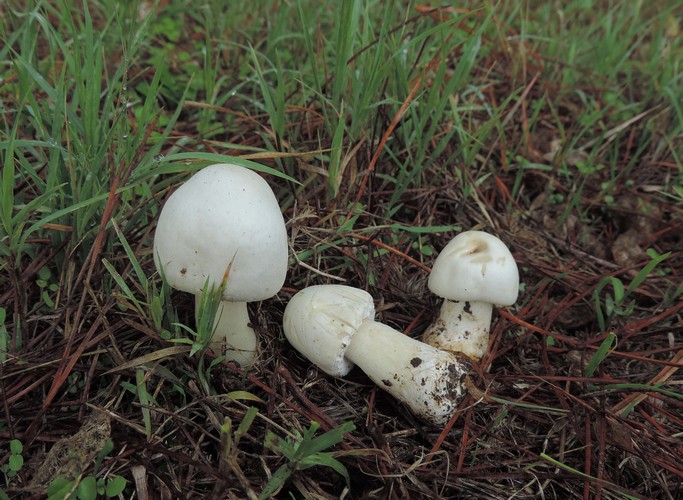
[474,271]
[428,380]
[462,326]
[232,337]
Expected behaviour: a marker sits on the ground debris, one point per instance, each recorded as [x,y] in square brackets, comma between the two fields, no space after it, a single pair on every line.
[70,456]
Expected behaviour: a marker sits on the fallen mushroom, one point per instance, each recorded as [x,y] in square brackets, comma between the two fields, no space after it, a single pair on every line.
[224,217]
[334,327]
[474,271]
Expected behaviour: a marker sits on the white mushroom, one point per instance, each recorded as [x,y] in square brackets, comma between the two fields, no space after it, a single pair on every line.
[224,215]
[472,273]
[334,327]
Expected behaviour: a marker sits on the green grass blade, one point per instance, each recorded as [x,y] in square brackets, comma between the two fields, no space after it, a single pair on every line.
[246,422]
[142,278]
[600,355]
[145,400]
[645,271]
[326,440]
[276,481]
[219,158]
[327,460]
[347,30]
[606,484]
[528,406]
[123,286]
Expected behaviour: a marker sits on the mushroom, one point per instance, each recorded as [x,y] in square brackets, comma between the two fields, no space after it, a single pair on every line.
[474,271]
[334,327]
[224,221]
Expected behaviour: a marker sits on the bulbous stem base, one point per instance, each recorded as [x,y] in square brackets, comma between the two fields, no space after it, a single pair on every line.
[429,381]
[462,326]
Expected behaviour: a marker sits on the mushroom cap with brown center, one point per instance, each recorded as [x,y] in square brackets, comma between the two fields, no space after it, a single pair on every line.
[475,266]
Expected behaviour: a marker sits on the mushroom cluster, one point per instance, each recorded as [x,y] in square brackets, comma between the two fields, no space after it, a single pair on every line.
[334,327]
[223,227]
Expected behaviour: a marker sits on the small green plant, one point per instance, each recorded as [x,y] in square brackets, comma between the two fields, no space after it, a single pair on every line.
[88,487]
[209,305]
[15,462]
[4,336]
[615,303]
[48,286]
[85,488]
[230,438]
[303,451]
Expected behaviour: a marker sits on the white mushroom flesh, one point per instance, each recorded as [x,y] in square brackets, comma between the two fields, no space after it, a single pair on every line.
[461,327]
[429,381]
[233,337]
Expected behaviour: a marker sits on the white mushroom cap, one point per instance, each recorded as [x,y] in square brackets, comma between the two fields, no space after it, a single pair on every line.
[475,266]
[221,212]
[320,320]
